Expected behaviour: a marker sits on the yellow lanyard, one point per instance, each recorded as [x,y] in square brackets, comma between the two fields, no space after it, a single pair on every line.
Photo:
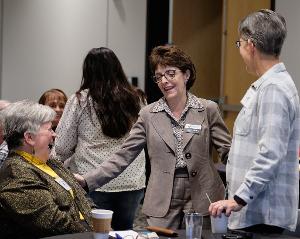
[44,167]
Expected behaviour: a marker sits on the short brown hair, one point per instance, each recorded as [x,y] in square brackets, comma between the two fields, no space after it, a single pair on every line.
[44,96]
[171,55]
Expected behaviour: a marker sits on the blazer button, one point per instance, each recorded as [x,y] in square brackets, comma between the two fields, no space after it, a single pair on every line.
[194,173]
[188,155]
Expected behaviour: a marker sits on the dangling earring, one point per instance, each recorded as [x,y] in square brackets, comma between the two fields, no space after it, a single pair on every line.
[33,151]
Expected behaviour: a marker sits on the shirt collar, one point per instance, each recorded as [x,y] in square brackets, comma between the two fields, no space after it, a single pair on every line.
[192,102]
[279,67]
[29,157]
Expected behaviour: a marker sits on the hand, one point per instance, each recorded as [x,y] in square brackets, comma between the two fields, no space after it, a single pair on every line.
[216,208]
[80,180]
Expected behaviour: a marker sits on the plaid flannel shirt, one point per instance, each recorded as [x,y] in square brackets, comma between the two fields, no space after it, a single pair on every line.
[262,167]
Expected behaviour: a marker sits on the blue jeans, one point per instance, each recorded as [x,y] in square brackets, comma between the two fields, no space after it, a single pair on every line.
[123,204]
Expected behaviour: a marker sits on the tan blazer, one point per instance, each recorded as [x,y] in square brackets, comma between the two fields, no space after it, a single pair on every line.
[155,130]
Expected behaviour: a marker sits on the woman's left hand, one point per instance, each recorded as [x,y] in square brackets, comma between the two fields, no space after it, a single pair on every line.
[227,206]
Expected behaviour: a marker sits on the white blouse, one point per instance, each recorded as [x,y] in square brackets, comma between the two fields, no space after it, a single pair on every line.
[81,142]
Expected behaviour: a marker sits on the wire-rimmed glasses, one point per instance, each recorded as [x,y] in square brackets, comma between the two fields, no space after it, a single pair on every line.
[140,235]
[169,75]
[238,43]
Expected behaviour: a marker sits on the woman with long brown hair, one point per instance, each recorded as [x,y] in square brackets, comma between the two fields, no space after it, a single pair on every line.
[95,122]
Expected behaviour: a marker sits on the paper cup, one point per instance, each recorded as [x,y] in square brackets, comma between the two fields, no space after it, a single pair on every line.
[101,220]
[219,224]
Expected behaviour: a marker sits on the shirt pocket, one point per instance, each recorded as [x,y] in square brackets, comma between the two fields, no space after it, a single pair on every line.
[242,124]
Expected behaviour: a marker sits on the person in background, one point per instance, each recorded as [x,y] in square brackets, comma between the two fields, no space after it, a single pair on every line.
[3,144]
[96,121]
[142,95]
[179,130]
[262,169]
[56,99]
[38,196]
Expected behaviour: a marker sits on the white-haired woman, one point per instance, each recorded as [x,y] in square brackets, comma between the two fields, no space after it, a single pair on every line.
[38,196]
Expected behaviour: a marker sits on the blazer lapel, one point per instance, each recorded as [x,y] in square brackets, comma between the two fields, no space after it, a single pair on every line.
[195,117]
[163,127]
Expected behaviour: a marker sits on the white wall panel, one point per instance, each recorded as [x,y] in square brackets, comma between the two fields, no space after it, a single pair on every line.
[127,35]
[45,42]
[291,51]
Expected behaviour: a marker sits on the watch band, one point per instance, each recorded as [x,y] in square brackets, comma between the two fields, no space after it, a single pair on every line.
[239,200]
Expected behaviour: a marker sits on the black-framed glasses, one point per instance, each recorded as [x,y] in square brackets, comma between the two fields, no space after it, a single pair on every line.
[169,75]
[238,43]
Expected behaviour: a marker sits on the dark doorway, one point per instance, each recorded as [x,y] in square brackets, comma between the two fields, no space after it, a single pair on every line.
[156,34]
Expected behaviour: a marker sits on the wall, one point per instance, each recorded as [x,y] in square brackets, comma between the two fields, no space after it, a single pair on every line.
[44,42]
[197,28]
[236,79]
[127,35]
[291,53]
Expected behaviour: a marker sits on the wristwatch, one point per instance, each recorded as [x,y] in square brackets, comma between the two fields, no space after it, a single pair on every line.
[239,201]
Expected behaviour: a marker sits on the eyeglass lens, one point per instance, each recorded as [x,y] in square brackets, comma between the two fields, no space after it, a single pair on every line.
[238,43]
[169,75]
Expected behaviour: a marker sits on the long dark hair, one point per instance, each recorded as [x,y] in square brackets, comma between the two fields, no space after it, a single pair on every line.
[115,101]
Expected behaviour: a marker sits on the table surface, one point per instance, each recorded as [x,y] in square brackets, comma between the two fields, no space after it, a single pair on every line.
[206,234]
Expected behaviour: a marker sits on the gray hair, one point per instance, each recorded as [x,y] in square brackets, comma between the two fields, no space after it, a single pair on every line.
[266,29]
[3,104]
[23,116]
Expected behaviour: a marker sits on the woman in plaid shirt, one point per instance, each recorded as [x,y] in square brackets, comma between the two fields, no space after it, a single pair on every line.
[262,168]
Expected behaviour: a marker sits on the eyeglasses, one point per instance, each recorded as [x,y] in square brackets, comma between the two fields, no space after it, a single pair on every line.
[141,235]
[169,75]
[238,43]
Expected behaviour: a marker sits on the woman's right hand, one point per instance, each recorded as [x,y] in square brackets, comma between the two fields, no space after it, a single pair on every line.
[216,208]
[80,180]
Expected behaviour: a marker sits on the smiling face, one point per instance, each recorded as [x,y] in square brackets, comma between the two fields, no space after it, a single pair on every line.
[56,101]
[173,86]
[41,141]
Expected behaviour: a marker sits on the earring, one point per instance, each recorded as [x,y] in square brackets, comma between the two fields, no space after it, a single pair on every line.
[33,151]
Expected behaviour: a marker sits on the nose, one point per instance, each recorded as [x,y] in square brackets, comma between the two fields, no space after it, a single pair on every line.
[164,79]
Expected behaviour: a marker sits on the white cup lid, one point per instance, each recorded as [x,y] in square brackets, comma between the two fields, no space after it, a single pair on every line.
[101,213]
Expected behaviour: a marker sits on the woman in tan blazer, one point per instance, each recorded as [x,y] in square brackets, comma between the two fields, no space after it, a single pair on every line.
[179,131]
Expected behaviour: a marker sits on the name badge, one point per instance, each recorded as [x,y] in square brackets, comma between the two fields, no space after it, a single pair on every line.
[192,128]
[63,183]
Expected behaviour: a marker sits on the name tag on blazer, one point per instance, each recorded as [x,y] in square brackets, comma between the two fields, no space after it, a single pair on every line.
[63,183]
[192,128]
